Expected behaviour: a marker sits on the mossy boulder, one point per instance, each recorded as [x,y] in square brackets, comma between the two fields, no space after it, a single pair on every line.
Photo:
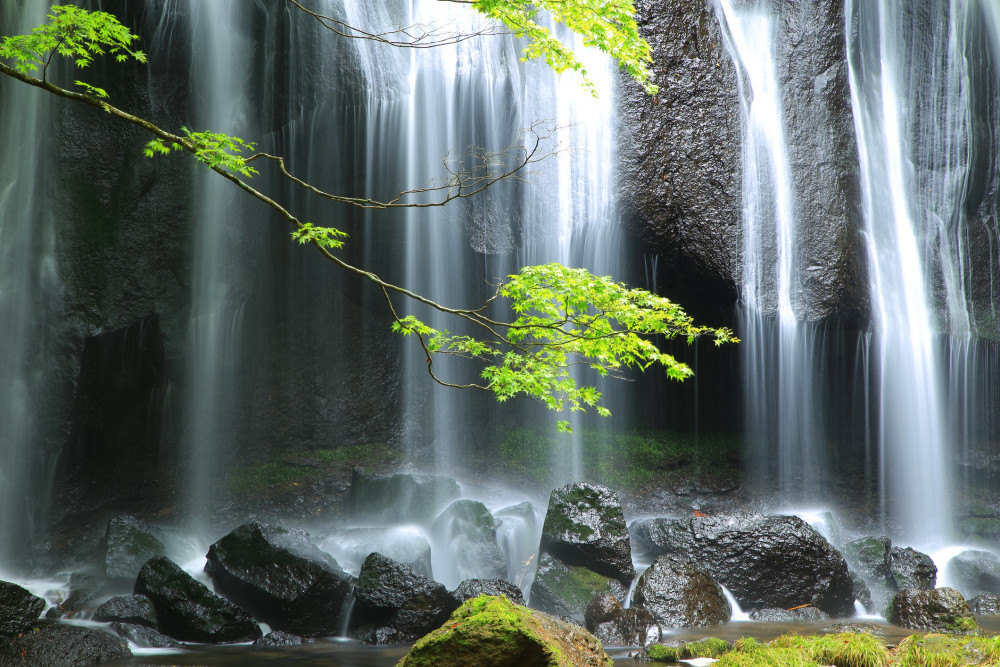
[566,590]
[870,557]
[128,543]
[974,572]
[585,526]
[939,610]
[493,632]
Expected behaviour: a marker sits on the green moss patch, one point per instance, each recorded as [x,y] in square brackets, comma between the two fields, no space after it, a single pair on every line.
[709,647]
[490,631]
[288,469]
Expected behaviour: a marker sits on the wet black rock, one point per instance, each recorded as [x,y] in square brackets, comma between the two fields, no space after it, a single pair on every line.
[281,578]
[565,590]
[128,543]
[860,590]
[615,626]
[394,603]
[985,604]
[585,526]
[938,610]
[912,569]
[471,588]
[789,615]
[144,636]
[19,609]
[278,638]
[974,572]
[471,531]
[681,594]
[400,498]
[764,561]
[128,609]
[50,644]
[354,544]
[187,610]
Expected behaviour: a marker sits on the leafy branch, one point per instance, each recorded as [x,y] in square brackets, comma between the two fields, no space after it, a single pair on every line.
[563,318]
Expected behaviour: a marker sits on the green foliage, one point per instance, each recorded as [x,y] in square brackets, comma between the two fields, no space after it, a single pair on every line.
[936,650]
[215,149]
[608,25]
[74,33]
[709,647]
[841,650]
[568,318]
[325,237]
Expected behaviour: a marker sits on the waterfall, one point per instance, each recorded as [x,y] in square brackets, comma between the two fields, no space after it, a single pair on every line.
[30,292]
[214,344]
[779,351]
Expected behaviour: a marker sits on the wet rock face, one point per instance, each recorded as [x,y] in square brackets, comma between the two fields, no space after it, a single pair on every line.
[681,594]
[789,615]
[986,604]
[144,636]
[129,543]
[764,561]
[187,610]
[400,498]
[19,609]
[939,610]
[129,609]
[471,530]
[50,644]
[614,625]
[585,526]
[680,170]
[975,572]
[280,577]
[393,603]
[912,569]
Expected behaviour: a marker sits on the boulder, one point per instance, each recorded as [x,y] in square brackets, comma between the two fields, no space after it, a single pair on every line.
[860,590]
[128,543]
[764,561]
[937,610]
[985,604]
[50,644]
[399,498]
[144,636]
[187,610]
[974,572]
[789,615]
[471,588]
[870,557]
[566,590]
[393,602]
[468,532]
[128,609]
[494,632]
[614,625]
[681,594]
[281,578]
[912,569]
[278,638]
[585,526]
[404,544]
[19,609]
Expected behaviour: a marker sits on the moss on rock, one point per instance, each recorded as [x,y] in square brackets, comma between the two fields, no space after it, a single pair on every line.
[709,647]
[490,631]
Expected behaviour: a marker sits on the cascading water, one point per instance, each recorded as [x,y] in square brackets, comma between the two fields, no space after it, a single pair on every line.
[778,354]
[30,292]
[216,321]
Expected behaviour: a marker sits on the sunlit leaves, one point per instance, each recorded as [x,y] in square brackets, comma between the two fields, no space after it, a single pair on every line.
[73,33]
[608,25]
[324,237]
[215,149]
[566,318]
